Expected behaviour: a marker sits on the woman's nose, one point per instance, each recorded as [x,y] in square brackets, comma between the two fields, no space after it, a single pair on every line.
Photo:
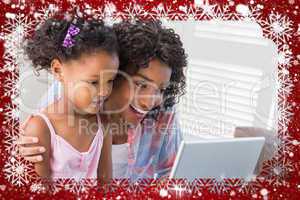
[150,101]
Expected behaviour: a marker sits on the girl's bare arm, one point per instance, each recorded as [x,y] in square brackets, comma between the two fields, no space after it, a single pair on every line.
[36,127]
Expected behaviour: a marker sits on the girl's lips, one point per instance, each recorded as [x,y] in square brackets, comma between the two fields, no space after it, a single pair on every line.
[97,104]
[98,101]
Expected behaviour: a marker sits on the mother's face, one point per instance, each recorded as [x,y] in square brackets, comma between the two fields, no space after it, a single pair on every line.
[135,95]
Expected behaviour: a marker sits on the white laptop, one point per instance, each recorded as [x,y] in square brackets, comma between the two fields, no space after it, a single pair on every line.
[217,158]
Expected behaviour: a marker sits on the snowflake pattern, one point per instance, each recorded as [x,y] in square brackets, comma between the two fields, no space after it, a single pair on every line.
[254,13]
[284,113]
[118,185]
[18,24]
[199,184]
[284,83]
[178,187]
[132,12]
[108,14]
[75,186]
[251,187]
[11,113]
[219,186]
[15,30]
[207,10]
[276,170]
[46,12]
[276,27]
[139,186]
[11,134]
[285,56]
[11,86]
[222,13]
[9,64]
[285,144]
[160,12]
[17,171]
[98,13]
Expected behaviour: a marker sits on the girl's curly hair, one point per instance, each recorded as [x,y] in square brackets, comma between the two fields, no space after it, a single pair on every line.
[47,42]
[145,40]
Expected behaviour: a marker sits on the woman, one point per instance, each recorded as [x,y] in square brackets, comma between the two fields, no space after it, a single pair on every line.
[139,112]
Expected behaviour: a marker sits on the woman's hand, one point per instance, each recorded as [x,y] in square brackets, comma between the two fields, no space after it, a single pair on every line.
[26,145]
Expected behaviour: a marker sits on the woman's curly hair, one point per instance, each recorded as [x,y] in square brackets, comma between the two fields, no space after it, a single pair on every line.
[145,40]
[47,42]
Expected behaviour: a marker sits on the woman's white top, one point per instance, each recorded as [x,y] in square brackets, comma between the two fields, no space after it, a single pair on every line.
[120,160]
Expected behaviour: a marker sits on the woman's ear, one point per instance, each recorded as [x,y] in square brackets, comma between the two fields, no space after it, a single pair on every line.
[56,69]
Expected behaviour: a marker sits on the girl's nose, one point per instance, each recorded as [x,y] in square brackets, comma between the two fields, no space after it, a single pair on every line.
[104,92]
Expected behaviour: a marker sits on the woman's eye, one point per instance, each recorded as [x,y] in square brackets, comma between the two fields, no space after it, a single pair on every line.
[141,85]
[163,90]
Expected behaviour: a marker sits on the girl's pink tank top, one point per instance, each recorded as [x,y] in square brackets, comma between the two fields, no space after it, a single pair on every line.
[68,162]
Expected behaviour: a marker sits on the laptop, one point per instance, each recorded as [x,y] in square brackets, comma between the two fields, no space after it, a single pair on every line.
[217,158]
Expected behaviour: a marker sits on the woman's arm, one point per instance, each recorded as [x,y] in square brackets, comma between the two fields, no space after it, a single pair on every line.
[36,127]
[28,145]
[105,161]
[172,138]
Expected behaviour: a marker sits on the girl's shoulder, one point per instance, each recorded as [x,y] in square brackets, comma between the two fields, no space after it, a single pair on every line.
[36,126]
[53,115]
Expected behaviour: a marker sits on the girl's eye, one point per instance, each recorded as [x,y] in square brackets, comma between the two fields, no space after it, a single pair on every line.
[93,82]
[141,85]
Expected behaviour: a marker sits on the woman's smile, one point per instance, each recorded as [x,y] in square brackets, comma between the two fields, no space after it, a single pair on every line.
[138,112]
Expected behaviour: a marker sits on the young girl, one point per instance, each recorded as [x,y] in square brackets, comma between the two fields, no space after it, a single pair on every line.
[82,55]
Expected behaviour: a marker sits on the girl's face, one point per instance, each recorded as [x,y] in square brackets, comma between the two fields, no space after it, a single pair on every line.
[88,80]
[133,97]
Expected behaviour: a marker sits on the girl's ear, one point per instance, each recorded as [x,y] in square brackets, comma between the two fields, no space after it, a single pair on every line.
[56,69]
